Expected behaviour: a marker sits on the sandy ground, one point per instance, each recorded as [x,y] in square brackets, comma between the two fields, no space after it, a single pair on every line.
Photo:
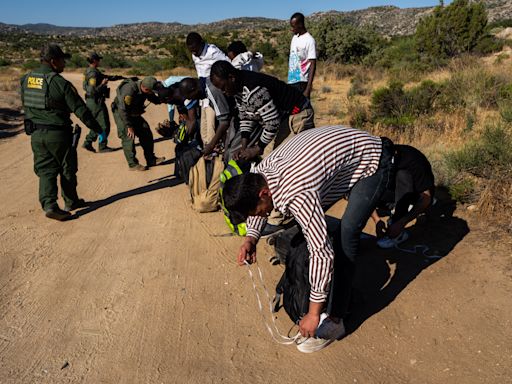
[141,289]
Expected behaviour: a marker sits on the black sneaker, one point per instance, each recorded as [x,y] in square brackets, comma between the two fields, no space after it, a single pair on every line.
[105,150]
[89,147]
[56,213]
[80,203]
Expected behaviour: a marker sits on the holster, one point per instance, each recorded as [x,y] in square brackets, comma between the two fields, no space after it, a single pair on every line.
[29,126]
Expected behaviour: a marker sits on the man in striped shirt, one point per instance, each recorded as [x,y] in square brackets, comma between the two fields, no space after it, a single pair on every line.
[263,99]
[303,178]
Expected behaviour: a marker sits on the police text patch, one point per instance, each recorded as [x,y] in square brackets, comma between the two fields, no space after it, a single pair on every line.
[35,82]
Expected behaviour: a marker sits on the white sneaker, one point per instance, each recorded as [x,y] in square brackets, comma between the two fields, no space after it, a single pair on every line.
[312,344]
[387,242]
[326,328]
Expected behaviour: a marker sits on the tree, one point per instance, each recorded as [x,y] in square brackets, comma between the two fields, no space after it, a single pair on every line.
[452,30]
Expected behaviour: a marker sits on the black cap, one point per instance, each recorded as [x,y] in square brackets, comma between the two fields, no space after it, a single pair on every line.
[53,51]
[94,56]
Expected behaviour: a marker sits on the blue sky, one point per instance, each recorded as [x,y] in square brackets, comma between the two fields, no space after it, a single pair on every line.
[104,13]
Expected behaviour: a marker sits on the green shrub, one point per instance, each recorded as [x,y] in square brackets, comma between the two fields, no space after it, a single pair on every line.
[488,44]
[358,115]
[76,61]
[462,190]
[357,86]
[452,30]
[484,157]
[4,62]
[114,61]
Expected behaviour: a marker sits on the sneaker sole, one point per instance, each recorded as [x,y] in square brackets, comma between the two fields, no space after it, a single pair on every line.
[305,349]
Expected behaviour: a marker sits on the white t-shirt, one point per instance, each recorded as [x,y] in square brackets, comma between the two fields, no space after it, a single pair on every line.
[248,61]
[302,49]
[207,58]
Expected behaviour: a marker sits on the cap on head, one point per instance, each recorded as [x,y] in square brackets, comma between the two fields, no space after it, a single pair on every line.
[53,51]
[149,82]
[94,56]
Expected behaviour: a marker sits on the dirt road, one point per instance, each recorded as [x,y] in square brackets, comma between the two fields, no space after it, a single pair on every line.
[141,289]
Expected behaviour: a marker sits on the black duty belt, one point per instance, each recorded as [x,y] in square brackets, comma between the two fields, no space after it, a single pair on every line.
[50,127]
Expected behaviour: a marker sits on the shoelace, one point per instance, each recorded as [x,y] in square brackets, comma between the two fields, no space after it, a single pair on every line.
[272,329]
[419,248]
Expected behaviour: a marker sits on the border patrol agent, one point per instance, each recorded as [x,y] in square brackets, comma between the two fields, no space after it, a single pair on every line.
[128,107]
[48,100]
[96,91]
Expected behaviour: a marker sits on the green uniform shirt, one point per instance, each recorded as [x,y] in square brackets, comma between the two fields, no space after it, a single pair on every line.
[63,100]
[92,84]
[130,100]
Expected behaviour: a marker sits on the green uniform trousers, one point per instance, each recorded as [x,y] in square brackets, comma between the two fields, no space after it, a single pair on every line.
[100,113]
[53,156]
[143,132]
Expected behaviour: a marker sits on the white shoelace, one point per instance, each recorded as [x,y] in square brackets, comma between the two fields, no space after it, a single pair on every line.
[272,329]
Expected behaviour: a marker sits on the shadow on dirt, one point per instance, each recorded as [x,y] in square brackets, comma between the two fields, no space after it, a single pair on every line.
[432,237]
[168,182]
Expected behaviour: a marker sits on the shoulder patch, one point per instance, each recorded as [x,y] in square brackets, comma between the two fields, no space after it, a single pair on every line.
[128,100]
[92,81]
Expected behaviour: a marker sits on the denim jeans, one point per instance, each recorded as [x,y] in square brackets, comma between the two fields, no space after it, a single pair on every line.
[362,201]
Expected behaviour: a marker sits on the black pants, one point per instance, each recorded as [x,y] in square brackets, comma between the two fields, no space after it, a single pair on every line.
[362,201]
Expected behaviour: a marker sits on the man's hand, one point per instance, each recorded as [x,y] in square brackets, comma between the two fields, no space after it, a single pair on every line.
[247,251]
[250,153]
[104,81]
[395,229]
[380,229]
[208,149]
[131,133]
[308,324]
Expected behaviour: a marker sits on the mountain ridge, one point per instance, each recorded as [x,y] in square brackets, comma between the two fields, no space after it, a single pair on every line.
[388,20]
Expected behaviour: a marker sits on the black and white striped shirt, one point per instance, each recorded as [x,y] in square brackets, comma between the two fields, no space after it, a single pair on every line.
[263,100]
[309,173]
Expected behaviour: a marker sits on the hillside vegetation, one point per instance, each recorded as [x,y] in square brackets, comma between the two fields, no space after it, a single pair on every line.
[446,88]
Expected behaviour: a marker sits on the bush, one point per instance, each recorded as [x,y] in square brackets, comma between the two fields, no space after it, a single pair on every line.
[4,62]
[452,30]
[76,61]
[484,157]
[114,61]
[357,86]
[343,43]
[358,115]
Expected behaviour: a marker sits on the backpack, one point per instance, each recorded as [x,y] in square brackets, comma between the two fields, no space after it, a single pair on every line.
[294,285]
[204,183]
[186,156]
[233,168]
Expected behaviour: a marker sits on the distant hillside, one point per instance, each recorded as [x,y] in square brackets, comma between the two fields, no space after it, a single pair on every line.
[388,20]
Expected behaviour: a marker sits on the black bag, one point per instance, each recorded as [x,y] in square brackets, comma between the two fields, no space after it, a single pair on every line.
[187,156]
[292,251]
[294,285]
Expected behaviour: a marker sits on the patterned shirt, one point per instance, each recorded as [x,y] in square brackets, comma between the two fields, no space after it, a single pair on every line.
[309,173]
[263,100]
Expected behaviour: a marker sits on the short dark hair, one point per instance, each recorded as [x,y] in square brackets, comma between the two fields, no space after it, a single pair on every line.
[241,195]
[237,47]
[189,86]
[299,17]
[194,38]
[222,69]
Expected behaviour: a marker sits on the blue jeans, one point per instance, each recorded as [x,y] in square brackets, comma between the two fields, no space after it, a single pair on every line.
[362,201]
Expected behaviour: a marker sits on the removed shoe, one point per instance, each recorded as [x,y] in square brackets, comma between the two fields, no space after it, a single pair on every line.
[80,203]
[327,332]
[387,242]
[138,167]
[156,161]
[89,147]
[56,213]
